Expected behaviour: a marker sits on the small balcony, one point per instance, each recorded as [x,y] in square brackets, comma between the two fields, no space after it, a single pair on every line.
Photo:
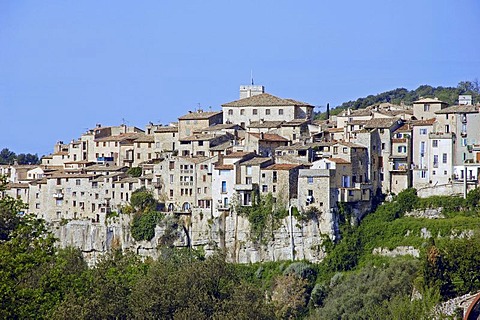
[243,187]
[223,207]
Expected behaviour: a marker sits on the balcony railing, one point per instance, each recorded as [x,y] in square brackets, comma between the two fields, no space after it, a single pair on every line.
[223,207]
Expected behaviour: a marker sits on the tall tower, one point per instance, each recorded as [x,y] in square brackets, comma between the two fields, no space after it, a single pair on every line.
[251,90]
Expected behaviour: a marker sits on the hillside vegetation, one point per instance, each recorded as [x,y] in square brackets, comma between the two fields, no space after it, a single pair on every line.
[402,95]
[38,280]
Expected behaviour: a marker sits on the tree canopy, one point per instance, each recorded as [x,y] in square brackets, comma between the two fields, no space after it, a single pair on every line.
[402,95]
[9,157]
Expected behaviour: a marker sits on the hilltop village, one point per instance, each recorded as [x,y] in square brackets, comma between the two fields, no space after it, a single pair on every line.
[209,164]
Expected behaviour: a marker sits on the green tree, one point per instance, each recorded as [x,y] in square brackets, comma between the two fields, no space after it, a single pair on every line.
[28,158]
[134,172]
[7,156]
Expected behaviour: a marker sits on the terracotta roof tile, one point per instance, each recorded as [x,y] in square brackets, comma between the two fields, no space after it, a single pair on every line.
[381,122]
[429,100]
[428,122]
[166,129]
[282,166]
[264,100]
[459,109]
[338,160]
[269,137]
[238,154]
[224,167]
[200,115]
[265,124]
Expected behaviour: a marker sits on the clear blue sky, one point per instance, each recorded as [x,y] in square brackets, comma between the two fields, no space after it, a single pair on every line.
[67,65]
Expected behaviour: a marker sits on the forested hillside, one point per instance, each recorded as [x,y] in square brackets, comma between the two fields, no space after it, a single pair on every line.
[402,95]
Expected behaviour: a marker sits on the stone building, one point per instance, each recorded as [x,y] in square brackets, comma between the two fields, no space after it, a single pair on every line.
[265,107]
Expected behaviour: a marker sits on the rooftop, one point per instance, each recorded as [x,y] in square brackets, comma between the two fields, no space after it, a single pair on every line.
[200,115]
[283,166]
[256,161]
[381,123]
[338,160]
[265,124]
[264,100]
[427,122]
[429,100]
[269,137]
[459,109]
[239,154]
[166,129]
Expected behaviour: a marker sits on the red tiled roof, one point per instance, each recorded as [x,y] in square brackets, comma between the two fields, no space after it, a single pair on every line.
[269,137]
[224,167]
[428,122]
[338,160]
[237,154]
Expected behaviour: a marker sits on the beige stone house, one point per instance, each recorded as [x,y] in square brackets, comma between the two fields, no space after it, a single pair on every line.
[195,121]
[264,143]
[265,107]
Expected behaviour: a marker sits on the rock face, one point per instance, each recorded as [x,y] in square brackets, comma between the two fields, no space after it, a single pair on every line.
[398,251]
[435,213]
[228,232]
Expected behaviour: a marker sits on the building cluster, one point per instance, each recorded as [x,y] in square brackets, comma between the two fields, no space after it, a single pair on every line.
[209,162]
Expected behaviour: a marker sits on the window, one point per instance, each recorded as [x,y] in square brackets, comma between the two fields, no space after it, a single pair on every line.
[274,176]
[310,180]
[444,158]
[310,193]
[274,188]
[464,142]
[264,188]
[138,155]
[435,160]
[447,128]
[171,193]
[422,148]
[445,172]
[230,112]
[280,111]
[242,112]
[254,111]
[423,131]
[434,172]
[77,182]
[426,107]
[402,149]
[249,170]
[267,111]
[345,150]
[435,143]
[383,145]
[224,186]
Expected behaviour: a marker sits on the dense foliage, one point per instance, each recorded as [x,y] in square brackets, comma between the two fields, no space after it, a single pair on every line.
[9,157]
[264,216]
[399,95]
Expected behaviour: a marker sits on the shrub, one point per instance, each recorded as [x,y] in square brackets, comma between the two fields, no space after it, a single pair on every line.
[143,225]
[134,172]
